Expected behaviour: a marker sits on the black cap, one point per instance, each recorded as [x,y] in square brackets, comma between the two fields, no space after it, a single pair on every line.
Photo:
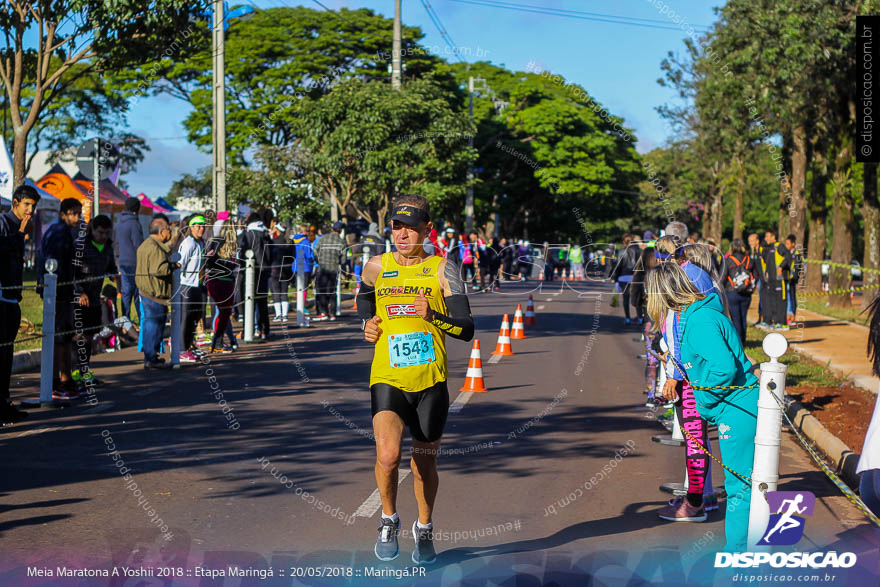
[338,225]
[132,204]
[409,215]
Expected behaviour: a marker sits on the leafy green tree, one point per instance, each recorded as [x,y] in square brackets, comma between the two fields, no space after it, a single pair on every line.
[548,147]
[364,143]
[50,45]
[276,60]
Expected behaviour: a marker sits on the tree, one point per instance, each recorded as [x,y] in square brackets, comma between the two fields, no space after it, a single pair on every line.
[545,147]
[96,36]
[364,143]
[277,59]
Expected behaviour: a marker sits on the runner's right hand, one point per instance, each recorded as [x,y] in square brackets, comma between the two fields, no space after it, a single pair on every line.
[372,332]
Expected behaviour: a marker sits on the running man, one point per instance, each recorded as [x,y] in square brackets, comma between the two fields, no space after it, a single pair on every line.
[785,520]
[408,302]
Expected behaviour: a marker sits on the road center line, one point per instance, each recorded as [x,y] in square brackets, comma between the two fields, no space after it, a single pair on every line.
[494,359]
[372,504]
[460,402]
[541,307]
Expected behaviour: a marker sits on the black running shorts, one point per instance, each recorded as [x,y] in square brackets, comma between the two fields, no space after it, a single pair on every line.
[424,412]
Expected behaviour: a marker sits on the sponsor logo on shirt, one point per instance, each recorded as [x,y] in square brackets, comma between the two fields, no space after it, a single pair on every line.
[390,274]
[402,290]
[395,310]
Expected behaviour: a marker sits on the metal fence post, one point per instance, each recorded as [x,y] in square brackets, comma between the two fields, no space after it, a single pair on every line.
[47,360]
[176,321]
[768,437]
[339,291]
[249,285]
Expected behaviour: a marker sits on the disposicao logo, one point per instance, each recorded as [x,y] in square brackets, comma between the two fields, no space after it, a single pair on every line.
[786,526]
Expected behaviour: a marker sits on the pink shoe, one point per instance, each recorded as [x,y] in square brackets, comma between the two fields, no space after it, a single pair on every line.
[188,357]
[679,510]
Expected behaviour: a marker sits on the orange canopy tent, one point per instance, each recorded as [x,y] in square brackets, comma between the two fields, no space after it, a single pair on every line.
[60,185]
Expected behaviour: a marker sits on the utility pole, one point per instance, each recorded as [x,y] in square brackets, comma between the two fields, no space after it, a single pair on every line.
[219,118]
[396,57]
[469,199]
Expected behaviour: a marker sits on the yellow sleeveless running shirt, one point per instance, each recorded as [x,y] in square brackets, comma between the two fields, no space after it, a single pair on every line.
[411,352]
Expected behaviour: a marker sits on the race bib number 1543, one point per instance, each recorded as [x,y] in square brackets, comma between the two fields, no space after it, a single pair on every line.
[410,348]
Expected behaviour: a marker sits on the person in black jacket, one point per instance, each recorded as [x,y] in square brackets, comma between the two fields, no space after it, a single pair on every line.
[93,258]
[794,274]
[623,271]
[280,250]
[57,244]
[14,224]
[775,263]
[127,237]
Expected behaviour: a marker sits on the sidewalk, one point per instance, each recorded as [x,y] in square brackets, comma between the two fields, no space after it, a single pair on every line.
[839,344]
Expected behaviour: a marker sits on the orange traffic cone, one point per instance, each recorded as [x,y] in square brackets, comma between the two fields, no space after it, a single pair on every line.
[530,318]
[473,381]
[518,330]
[541,276]
[502,347]
[354,304]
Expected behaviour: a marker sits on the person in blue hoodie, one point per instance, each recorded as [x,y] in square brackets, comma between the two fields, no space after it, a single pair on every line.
[712,356]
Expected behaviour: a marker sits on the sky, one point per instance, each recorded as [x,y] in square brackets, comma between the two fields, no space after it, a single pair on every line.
[618,64]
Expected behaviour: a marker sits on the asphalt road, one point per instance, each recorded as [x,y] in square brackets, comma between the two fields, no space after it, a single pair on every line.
[275,470]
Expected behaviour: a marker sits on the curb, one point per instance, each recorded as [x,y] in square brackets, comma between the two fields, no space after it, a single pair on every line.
[843,460]
[23,361]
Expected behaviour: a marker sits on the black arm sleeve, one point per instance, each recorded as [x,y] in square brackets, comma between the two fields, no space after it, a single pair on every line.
[460,323]
[366,301]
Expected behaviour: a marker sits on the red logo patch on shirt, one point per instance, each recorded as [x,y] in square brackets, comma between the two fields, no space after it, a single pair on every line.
[394,310]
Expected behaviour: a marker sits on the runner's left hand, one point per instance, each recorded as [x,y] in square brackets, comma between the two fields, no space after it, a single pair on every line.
[422,308]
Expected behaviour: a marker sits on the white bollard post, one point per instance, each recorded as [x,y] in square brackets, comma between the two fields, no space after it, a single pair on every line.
[768,437]
[300,295]
[249,296]
[176,313]
[47,365]
[339,291]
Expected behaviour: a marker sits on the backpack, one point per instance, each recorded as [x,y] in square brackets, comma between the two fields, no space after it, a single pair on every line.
[740,276]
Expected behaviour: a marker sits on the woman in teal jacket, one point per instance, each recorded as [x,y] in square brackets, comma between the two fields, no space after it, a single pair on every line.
[712,356]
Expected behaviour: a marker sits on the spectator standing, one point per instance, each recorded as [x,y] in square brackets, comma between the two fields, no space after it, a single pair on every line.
[153,277]
[93,258]
[755,252]
[523,259]
[739,285]
[775,263]
[711,356]
[467,254]
[794,274]
[127,237]
[14,224]
[280,254]
[220,268]
[869,462]
[623,272]
[329,252]
[192,291]
[58,244]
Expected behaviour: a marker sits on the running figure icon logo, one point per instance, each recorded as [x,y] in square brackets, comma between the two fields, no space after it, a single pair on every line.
[786,526]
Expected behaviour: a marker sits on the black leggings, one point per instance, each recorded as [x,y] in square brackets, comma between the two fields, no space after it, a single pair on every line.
[424,412]
[624,296]
[192,300]
[279,289]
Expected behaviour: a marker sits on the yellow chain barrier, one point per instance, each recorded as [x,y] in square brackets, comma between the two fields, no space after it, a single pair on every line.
[840,265]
